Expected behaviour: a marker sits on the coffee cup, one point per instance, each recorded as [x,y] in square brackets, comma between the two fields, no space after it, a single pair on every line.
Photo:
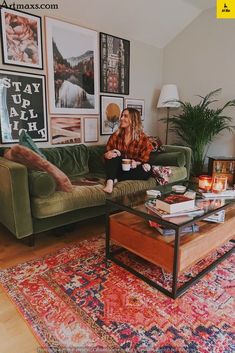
[126,164]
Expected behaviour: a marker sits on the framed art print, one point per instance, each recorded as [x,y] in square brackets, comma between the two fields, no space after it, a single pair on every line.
[111,108]
[22,106]
[21,35]
[90,129]
[72,63]
[114,64]
[65,130]
[137,104]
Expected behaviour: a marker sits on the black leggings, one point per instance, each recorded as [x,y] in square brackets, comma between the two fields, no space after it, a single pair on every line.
[114,171]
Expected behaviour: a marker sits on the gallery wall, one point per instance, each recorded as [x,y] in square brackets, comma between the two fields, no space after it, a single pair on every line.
[145,67]
[201,59]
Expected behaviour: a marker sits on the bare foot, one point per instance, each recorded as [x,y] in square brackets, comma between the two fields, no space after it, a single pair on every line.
[109,186]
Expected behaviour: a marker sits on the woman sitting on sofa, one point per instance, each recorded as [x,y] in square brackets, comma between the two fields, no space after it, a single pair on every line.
[129,142]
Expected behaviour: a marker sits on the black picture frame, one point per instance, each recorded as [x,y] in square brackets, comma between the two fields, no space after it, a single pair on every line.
[21,38]
[114,64]
[22,106]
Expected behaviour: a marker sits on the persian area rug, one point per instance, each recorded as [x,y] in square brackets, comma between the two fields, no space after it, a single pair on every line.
[76,302]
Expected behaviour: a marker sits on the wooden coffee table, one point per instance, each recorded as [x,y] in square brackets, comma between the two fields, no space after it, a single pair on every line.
[130,230]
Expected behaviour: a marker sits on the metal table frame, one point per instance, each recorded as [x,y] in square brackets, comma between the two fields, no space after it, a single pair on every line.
[175,292]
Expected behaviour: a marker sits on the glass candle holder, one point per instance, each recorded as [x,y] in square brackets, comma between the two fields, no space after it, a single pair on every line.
[219,184]
[205,182]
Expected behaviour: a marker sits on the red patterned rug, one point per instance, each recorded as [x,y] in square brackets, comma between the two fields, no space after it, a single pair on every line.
[76,302]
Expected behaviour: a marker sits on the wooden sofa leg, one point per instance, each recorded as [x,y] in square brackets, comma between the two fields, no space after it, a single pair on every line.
[30,240]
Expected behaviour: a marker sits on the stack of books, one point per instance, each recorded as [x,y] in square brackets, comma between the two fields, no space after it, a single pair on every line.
[174,206]
[217,217]
[225,194]
[177,209]
[169,231]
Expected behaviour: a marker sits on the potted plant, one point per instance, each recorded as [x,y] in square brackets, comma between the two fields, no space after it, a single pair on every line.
[197,125]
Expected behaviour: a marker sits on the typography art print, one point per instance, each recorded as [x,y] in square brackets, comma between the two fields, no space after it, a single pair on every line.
[22,106]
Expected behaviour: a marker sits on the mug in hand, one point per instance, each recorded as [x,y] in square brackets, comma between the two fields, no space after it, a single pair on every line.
[126,164]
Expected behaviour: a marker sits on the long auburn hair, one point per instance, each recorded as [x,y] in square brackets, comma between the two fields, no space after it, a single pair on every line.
[136,124]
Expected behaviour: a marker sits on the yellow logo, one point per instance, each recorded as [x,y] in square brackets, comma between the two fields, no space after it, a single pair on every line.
[225,9]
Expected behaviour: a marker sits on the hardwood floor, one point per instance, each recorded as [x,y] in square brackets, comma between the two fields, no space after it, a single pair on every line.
[15,335]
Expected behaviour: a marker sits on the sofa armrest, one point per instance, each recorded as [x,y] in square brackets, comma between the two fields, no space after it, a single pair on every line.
[187,152]
[15,212]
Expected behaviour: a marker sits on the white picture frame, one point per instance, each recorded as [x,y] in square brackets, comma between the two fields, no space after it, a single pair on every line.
[90,129]
[72,67]
[137,104]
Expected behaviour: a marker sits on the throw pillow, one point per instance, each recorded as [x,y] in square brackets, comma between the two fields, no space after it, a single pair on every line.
[41,184]
[168,159]
[26,141]
[157,143]
[32,160]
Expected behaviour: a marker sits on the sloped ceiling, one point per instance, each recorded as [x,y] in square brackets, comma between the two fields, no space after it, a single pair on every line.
[154,22]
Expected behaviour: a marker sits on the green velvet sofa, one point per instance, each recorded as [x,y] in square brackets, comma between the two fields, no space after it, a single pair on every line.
[30,203]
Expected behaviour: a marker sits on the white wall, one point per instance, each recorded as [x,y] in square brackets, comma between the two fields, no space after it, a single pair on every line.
[145,60]
[201,59]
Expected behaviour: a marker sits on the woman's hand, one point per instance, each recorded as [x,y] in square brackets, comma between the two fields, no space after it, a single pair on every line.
[146,167]
[111,154]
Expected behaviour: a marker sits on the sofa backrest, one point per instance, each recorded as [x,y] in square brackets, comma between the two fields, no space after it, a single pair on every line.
[96,160]
[72,160]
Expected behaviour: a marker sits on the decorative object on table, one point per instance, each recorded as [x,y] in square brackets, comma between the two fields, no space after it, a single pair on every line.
[136,104]
[155,193]
[22,106]
[90,129]
[65,130]
[224,166]
[72,68]
[114,64]
[175,203]
[179,189]
[197,125]
[169,98]
[110,111]
[205,182]
[219,184]
[21,36]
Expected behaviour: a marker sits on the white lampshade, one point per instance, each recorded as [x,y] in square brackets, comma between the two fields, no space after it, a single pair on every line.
[168,93]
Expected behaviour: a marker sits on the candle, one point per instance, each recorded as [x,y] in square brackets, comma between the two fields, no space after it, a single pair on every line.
[219,184]
[205,182]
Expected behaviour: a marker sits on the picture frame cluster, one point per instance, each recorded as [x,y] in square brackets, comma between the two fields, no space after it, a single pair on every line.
[86,88]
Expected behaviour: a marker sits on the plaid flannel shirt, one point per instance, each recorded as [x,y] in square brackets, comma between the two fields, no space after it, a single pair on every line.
[139,150]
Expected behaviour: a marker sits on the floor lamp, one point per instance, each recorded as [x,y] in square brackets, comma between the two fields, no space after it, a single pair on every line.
[167,99]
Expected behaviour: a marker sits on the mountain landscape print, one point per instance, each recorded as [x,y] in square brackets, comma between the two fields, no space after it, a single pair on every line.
[73,84]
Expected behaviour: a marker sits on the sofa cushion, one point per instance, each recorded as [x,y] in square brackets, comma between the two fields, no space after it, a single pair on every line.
[157,143]
[41,184]
[83,197]
[168,159]
[72,160]
[32,160]
[59,202]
